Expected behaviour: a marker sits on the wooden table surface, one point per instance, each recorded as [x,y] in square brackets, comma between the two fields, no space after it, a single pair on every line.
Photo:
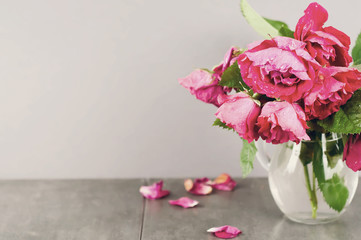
[114,210]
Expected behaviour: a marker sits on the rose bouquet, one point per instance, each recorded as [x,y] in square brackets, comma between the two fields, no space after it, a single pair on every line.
[295,86]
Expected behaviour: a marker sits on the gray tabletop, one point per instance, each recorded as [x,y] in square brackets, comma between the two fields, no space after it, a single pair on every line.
[114,209]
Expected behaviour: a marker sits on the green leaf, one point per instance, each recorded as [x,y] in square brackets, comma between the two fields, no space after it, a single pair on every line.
[232,78]
[283,29]
[335,193]
[221,124]
[334,152]
[356,51]
[275,23]
[257,21]
[347,120]
[248,154]
[286,32]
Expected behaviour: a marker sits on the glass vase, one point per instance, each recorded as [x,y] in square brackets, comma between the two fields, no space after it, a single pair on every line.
[309,181]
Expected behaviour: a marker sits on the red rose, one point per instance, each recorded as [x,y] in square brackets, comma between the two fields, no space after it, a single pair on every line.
[279,68]
[327,45]
[334,88]
[351,153]
[280,122]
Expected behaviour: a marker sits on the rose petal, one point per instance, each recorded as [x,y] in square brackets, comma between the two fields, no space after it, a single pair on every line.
[201,186]
[184,202]
[225,232]
[224,182]
[188,184]
[203,181]
[154,191]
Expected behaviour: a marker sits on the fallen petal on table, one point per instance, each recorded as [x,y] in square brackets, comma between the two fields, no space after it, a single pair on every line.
[201,186]
[225,232]
[224,182]
[184,202]
[154,191]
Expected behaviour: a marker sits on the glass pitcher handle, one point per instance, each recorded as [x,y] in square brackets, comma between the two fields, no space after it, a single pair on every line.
[263,155]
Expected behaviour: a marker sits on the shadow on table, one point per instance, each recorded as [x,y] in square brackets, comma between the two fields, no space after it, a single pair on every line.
[286,229]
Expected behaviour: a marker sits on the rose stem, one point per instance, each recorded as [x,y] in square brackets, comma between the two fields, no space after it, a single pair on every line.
[314,189]
[311,192]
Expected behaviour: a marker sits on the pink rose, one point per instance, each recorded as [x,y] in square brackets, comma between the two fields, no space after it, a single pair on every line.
[239,111]
[351,152]
[335,87]
[280,68]
[201,84]
[229,59]
[281,122]
[328,45]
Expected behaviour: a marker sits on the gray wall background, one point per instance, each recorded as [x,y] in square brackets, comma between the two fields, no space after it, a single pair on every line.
[89,88]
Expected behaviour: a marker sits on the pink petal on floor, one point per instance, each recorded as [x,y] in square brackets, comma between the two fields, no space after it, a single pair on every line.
[224,182]
[225,232]
[198,187]
[154,191]
[203,180]
[184,202]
